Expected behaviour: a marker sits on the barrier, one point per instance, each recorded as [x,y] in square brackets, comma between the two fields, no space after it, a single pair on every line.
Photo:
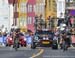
[2,40]
[73,40]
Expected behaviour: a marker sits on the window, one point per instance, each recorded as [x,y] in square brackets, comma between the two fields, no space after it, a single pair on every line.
[22,21]
[33,19]
[30,8]
[23,8]
[67,0]
[71,0]
[60,6]
[29,20]
[34,8]
[40,7]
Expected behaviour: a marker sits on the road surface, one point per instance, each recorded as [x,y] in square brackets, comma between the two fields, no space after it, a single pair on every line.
[26,52]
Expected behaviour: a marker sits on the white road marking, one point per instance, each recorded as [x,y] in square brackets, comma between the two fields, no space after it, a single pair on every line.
[60,56]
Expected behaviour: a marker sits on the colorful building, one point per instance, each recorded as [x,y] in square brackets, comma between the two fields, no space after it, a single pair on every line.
[30,14]
[26,10]
[40,8]
[51,8]
[22,9]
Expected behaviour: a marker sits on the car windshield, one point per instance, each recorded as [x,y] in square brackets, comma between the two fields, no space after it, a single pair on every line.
[44,33]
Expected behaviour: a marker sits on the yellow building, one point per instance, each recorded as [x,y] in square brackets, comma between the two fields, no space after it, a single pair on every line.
[40,8]
[51,8]
[22,13]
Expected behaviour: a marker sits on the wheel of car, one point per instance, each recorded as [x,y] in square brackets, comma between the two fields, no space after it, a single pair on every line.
[33,46]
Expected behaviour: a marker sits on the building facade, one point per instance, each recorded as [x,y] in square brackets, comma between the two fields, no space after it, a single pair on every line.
[40,8]
[30,14]
[22,9]
[6,14]
[50,8]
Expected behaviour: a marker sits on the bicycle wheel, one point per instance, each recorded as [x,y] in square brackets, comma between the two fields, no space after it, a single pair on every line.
[16,45]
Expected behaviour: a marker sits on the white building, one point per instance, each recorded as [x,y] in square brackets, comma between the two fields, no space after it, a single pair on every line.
[60,8]
[6,14]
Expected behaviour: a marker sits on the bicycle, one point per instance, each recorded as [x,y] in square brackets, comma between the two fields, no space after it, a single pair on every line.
[65,46]
[16,44]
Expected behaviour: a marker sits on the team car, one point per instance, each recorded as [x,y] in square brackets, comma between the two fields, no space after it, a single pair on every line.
[42,38]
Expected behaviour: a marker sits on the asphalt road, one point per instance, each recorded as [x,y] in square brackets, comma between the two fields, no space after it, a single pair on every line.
[7,52]
[49,53]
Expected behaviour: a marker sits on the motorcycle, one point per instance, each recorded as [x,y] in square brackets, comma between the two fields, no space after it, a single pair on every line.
[9,41]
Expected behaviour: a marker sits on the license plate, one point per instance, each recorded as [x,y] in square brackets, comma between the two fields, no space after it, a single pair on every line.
[45,42]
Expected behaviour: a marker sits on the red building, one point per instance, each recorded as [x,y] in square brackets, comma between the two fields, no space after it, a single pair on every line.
[30,14]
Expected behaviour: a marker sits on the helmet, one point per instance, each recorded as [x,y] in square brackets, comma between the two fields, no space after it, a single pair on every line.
[17,30]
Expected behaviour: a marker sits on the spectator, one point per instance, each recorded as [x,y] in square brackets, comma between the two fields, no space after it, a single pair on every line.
[71,22]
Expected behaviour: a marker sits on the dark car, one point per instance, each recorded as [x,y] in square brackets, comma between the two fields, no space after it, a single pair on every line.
[42,38]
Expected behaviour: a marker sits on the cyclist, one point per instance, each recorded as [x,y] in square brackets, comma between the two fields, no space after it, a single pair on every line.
[65,41]
[16,37]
